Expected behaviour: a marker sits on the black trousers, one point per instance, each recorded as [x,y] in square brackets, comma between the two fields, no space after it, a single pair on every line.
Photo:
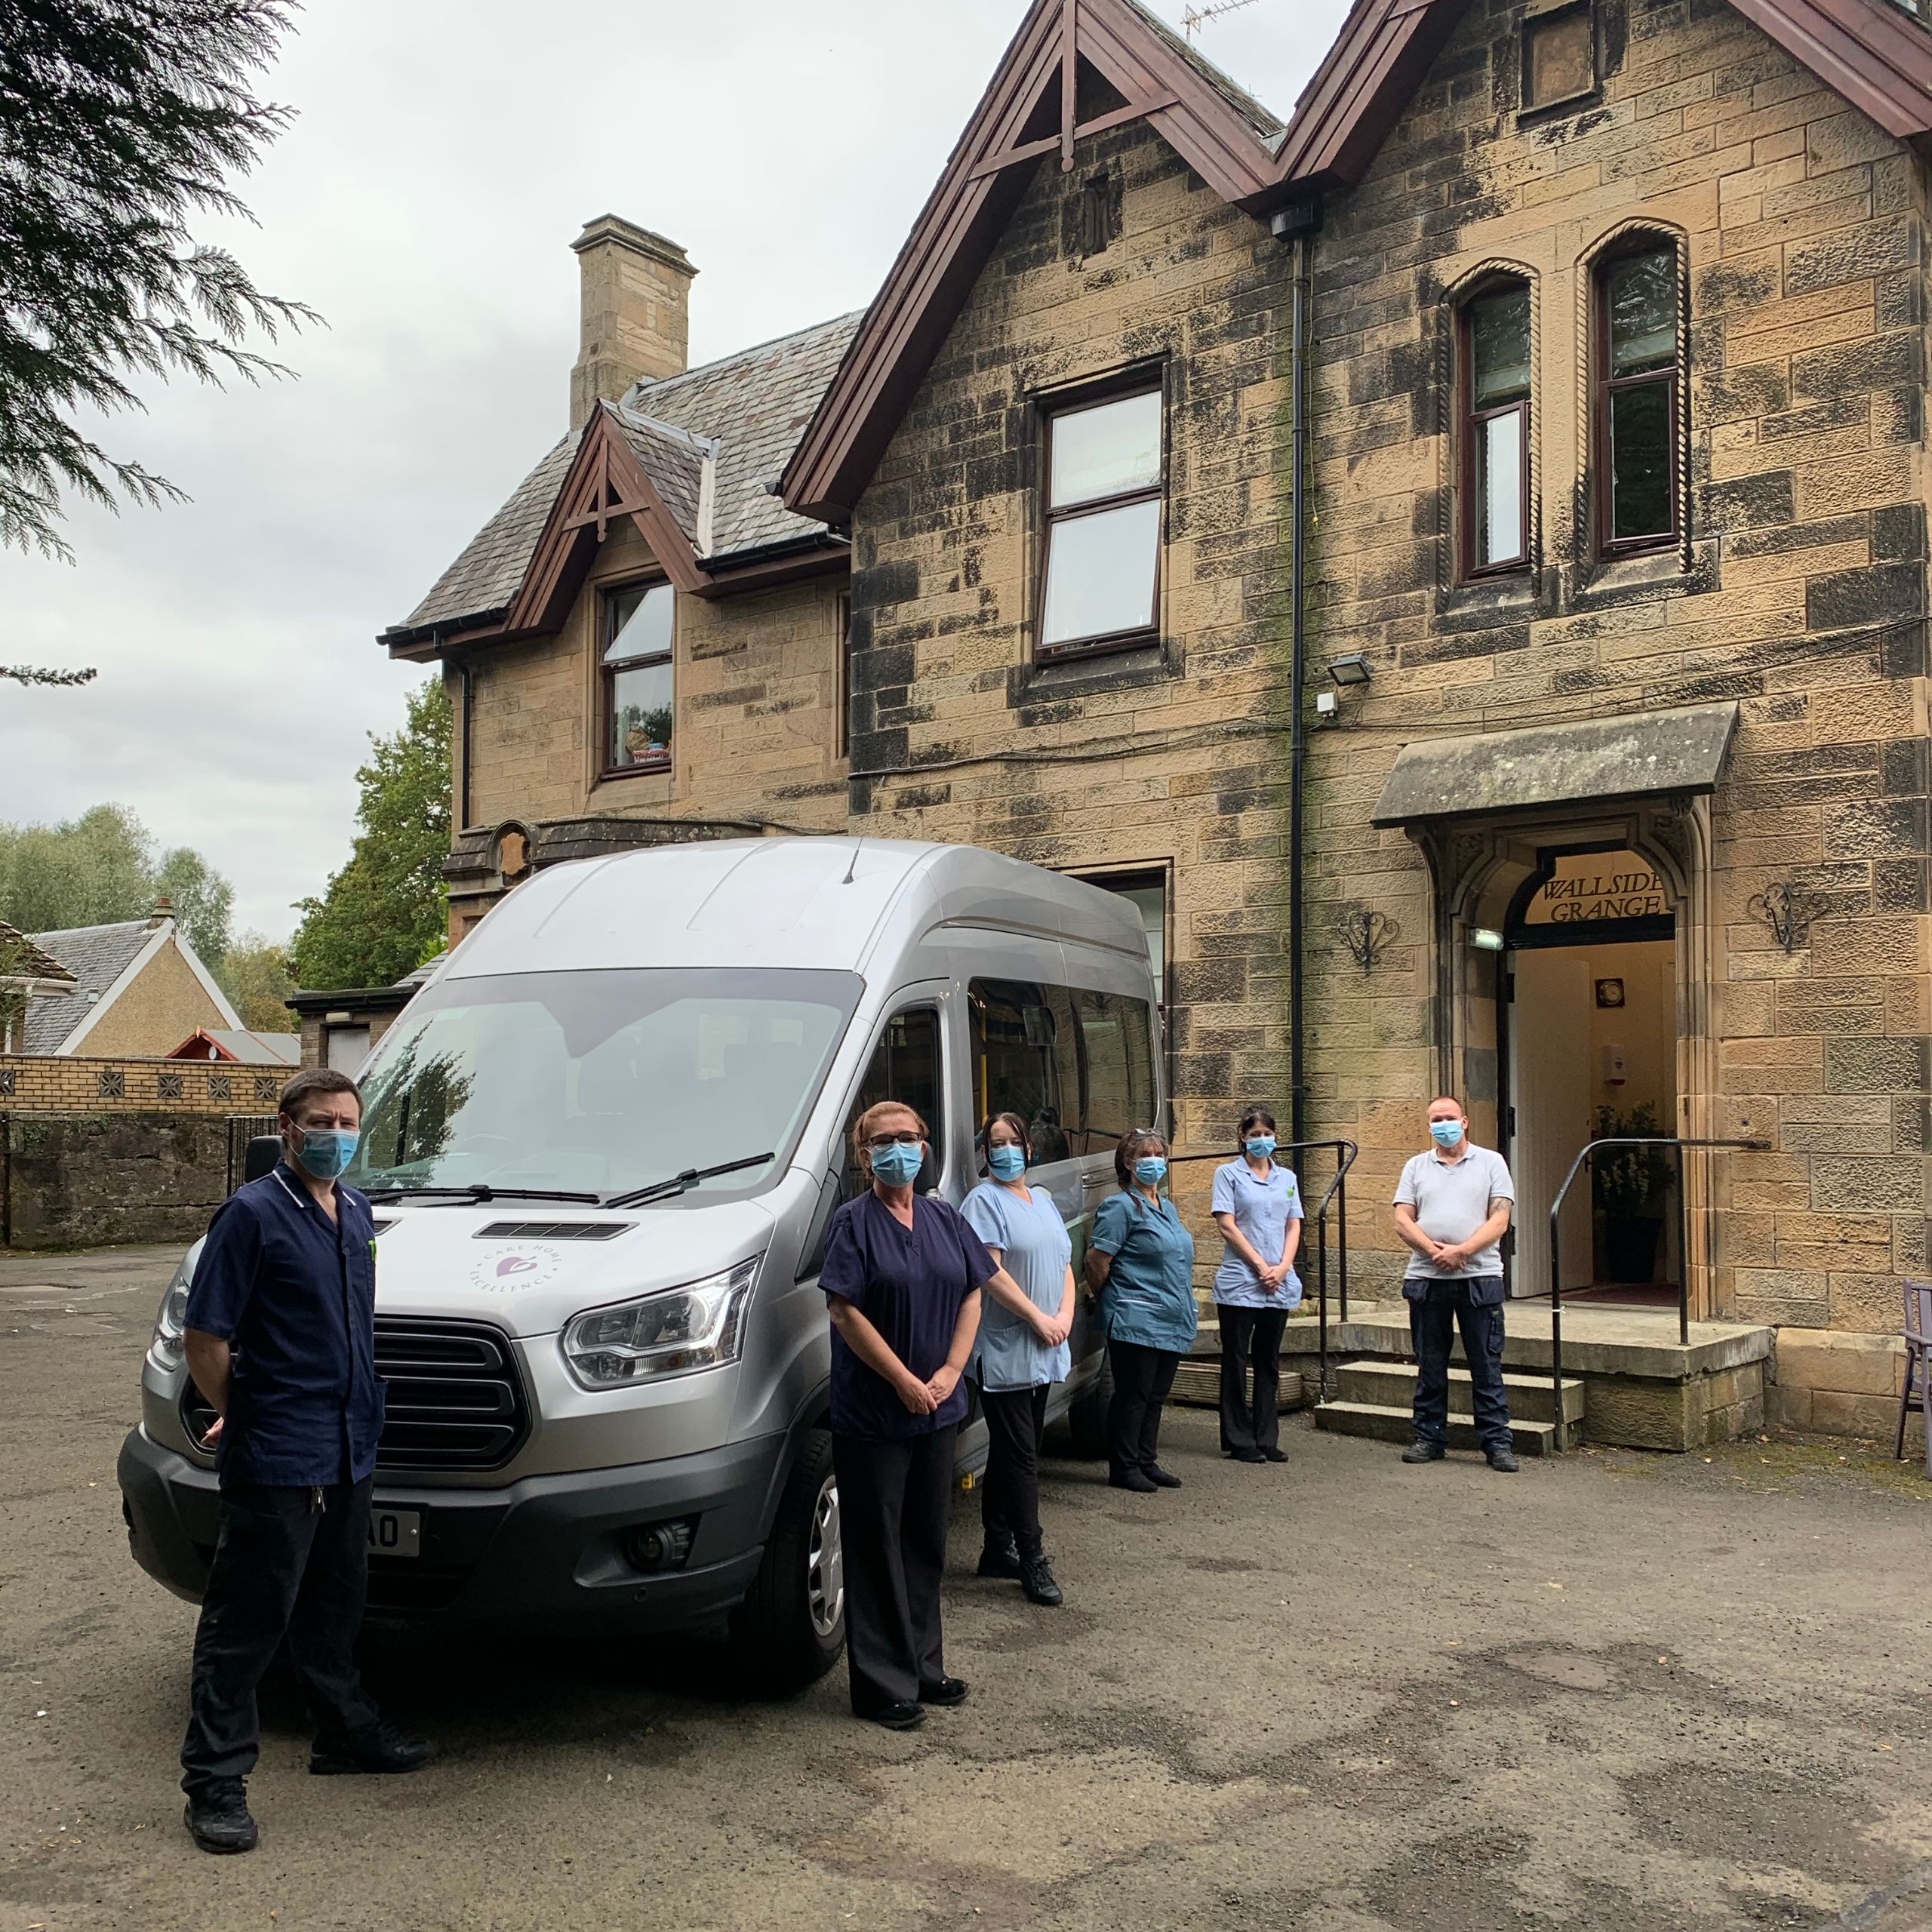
[1251,1335]
[1010,1502]
[1433,1321]
[1142,1378]
[284,1566]
[893,1500]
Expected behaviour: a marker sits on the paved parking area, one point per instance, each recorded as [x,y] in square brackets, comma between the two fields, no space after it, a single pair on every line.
[1340,1696]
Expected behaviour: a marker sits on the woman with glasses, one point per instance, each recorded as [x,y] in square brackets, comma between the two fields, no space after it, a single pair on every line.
[1022,1351]
[1257,1208]
[1141,1262]
[903,1274]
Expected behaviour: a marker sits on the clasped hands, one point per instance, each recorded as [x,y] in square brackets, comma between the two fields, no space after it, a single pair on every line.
[921,1398]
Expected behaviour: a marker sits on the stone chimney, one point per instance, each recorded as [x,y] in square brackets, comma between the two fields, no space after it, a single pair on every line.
[636,293]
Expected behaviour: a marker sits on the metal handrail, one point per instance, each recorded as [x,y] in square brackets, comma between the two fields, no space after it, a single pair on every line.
[1683,1246]
[1336,1193]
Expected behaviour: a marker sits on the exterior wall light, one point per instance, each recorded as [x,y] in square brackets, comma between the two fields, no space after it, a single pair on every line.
[1485,940]
[1350,669]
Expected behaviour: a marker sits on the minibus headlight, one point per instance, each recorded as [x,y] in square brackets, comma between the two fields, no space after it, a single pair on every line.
[676,1331]
[170,1321]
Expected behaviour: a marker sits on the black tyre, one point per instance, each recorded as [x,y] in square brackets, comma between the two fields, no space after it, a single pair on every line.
[790,1627]
[1086,1414]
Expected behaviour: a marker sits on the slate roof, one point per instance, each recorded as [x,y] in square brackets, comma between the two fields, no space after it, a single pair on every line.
[97,956]
[1269,127]
[34,963]
[753,406]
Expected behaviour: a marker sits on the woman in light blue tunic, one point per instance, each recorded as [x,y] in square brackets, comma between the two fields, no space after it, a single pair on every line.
[1021,1352]
[1256,1205]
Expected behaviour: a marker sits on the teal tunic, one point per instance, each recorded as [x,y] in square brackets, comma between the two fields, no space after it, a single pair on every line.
[1149,1296]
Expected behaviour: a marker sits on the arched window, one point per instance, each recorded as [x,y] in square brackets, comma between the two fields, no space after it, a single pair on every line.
[1494,379]
[1637,484]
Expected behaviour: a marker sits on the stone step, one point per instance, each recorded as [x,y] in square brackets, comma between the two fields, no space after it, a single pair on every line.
[1382,1424]
[1392,1385]
[1197,1386]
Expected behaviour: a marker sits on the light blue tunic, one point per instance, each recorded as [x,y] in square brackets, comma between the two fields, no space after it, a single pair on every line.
[1149,1296]
[1262,1209]
[1035,1249]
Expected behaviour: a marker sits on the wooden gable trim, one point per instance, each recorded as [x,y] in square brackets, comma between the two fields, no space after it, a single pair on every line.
[605,482]
[983,180]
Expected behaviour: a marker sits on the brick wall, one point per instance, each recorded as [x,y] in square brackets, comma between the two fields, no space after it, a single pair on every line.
[1800,593]
[35,1083]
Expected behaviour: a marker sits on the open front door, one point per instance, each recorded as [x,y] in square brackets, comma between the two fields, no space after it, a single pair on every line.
[1551,1091]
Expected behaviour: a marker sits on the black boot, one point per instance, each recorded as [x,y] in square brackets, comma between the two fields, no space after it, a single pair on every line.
[217,1817]
[384,1754]
[1036,1579]
[1000,1557]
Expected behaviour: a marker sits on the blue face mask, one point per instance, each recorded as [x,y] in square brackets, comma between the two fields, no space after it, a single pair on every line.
[1149,1170]
[1007,1163]
[1260,1147]
[1445,1133]
[899,1164]
[326,1151]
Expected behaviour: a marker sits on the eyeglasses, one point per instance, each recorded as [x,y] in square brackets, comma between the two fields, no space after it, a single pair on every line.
[908,1137]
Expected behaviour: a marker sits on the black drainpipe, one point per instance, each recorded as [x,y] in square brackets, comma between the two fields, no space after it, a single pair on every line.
[1298,221]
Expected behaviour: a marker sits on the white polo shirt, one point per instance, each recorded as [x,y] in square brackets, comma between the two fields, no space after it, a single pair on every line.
[1452,1199]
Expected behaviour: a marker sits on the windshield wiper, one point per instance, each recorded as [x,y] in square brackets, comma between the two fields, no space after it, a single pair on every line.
[481,1191]
[683,1183]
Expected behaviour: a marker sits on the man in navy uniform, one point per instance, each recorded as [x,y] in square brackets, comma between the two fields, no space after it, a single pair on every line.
[281,1339]
[1452,1211]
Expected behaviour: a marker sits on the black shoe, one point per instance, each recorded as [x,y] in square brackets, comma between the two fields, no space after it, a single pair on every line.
[1504,1460]
[1134,1480]
[1424,1450]
[218,1817]
[1273,1455]
[1000,1559]
[1160,1478]
[948,1692]
[895,1717]
[384,1754]
[1036,1579]
[1249,1456]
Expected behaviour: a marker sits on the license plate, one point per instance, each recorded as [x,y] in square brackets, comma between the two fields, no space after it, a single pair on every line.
[395,1533]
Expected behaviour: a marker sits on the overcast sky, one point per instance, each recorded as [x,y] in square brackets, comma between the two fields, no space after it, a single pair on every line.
[443,156]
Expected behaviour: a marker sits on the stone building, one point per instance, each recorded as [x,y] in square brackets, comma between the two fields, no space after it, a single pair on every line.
[1596,637]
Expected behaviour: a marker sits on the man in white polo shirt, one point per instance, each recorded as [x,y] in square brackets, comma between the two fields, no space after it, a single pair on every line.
[1452,1210]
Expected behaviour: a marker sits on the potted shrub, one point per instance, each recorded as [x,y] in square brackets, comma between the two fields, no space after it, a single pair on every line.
[1630,1187]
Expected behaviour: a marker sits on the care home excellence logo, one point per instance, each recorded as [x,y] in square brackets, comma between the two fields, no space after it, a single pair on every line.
[512,1268]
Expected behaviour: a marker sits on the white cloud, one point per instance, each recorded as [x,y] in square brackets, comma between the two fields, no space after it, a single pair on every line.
[444,156]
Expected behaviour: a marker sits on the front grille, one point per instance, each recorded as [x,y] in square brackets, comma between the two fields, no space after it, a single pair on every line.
[455,1400]
[552,1230]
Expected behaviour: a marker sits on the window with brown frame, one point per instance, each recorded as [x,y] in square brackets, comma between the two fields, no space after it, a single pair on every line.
[1638,404]
[639,622]
[1495,364]
[1100,577]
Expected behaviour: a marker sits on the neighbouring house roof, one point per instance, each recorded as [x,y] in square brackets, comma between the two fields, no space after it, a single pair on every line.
[697,457]
[105,961]
[33,963]
[247,1047]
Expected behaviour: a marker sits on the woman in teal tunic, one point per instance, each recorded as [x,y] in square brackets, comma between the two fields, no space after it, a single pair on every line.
[1140,1260]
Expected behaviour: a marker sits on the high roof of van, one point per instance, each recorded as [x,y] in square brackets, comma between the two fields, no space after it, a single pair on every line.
[798,902]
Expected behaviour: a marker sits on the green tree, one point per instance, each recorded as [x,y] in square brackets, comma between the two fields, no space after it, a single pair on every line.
[387,910]
[255,976]
[120,120]
[203,901]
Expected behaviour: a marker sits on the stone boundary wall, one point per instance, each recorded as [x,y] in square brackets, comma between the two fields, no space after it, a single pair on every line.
[1833,1384]
[85,1180]
[42,1083]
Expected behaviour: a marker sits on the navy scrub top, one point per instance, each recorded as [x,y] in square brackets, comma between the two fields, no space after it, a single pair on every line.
[293,1295]
[909,1283]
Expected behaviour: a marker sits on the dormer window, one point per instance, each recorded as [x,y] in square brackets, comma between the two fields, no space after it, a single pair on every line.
[639,625]
[1495,359]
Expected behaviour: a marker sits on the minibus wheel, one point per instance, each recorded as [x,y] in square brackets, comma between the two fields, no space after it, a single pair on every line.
[790,1627]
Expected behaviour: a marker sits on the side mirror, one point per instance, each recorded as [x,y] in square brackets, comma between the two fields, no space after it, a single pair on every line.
[263,1156]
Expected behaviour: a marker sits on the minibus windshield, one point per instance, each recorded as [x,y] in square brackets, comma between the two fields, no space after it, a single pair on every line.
[600,1082]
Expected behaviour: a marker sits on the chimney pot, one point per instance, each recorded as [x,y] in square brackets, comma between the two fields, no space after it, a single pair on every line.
[634,318]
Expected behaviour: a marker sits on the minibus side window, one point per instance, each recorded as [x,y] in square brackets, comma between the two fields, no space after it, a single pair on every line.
[904,1066]
[1077,1066]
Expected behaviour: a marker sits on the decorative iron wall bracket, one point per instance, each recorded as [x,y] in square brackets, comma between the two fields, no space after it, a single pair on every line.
[1787,911]
[1367,933]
